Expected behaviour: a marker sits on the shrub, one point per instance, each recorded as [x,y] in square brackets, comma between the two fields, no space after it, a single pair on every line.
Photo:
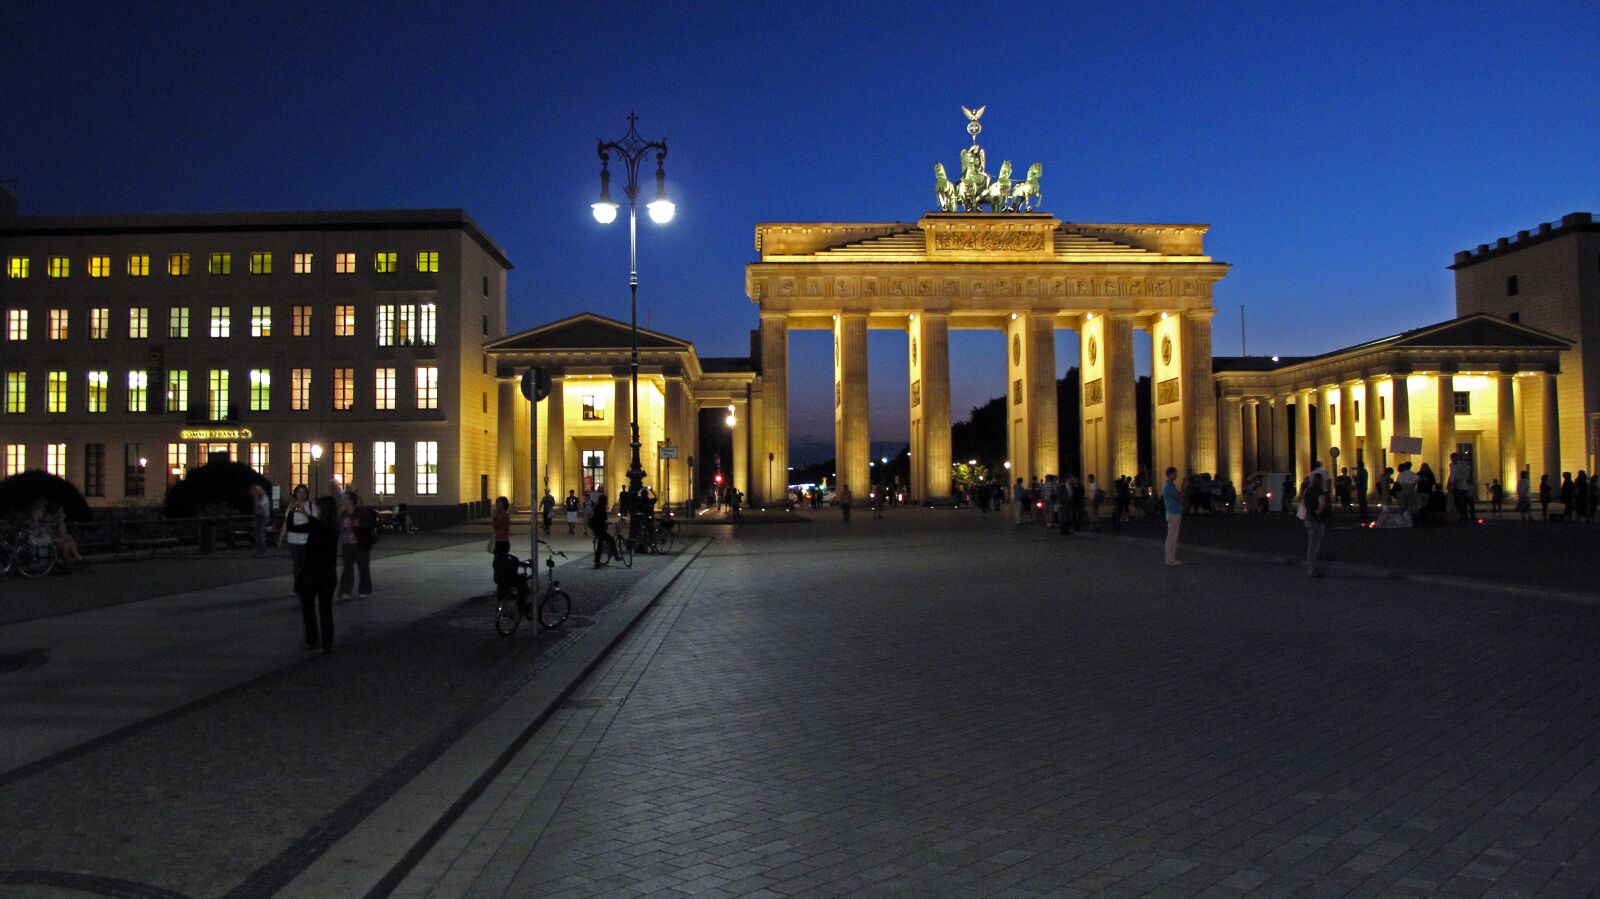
[214,488]
[19,492]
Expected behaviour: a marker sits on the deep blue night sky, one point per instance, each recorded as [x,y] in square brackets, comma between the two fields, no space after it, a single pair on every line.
[1342,153]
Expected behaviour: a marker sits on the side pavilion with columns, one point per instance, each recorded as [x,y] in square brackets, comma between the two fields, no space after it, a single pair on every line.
[1478,383]
[1025,275]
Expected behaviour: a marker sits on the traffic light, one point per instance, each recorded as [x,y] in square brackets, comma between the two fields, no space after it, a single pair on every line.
[718,478]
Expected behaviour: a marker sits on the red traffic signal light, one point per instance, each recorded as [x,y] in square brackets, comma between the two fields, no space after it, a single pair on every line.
[718,479]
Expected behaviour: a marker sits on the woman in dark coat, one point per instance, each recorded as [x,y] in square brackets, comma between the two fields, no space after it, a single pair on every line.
[319,575]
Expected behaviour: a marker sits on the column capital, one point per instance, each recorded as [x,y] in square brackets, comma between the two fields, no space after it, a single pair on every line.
[774,316]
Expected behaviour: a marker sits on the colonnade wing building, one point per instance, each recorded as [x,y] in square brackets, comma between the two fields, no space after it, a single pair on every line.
[1025,275]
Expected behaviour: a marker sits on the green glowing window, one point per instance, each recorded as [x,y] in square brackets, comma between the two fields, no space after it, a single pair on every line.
[260,263]
[386,262]
[220,264]
[17,267]
[59,267]
[428,261]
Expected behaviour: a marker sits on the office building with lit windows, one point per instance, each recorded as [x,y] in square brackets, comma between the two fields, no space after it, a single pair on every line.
[137,346]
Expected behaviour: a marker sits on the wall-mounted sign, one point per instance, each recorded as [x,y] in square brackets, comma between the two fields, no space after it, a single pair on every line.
[216,434]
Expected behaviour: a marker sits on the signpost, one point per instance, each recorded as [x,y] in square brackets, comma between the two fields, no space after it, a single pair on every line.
[668,452]
[535,387]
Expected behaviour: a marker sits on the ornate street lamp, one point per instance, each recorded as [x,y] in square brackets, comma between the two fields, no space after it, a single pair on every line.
[631,150]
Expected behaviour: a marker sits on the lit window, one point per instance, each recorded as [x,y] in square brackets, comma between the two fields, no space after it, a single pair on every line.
[344,463]
[302,263]
[16,324]
[260,456]
[99,386]
[260,321]
[405,327]
[1463,402]
[133,462]
[138,391]
[178,264]
[300,389]
[59,267]
[16,392]
[178,322]
[300,464]
[17,267]
[221,322]
[55,459]
[427,387]
[177,461]
[344,263]
[260,263]
[1355,410]
[594,408]
[178,390]
[301,320]
[138,322]
[428,261]
[344,389]
[139,266]
[427,467]
[94,469]
[260,390]
[55,398]
[384,384]
[220,264]
[344,321]
[58,324]
[385,262]
[99,323]
[427,324]
[1333,414]
[385,326]
[16,458]
[218,400]
[383,467]
[99,266]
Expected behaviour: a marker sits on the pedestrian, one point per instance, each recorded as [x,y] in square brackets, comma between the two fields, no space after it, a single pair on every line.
[1172,501]
[1360,483]
[1287,496]
[296,526]
[845,499]
[1544,496]
[547,509]
[1122,501]
[260,517]
[317,578]
[571,505]
[1524,496]
[1315,509]
[1019,498]
[596,520]
[65,542]
[587,512]
[735,502]
[1568,491]
[356,539]
[1497,496]
[1458,486]
[500,523]
[1580,497]
[877,502]
[1407,481]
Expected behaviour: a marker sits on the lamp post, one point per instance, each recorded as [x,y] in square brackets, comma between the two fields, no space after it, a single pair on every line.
[316,457]
[631,150]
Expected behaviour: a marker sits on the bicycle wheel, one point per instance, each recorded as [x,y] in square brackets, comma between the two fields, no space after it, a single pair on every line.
[35,560]
[509,613]
[625,551]
[554,608]
[664,540]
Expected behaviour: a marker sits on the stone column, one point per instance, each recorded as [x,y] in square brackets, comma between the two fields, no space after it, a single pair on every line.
[1122,417]
[1347,429]
[1552,431]
[852,446]
[1400,404]
[1280,433]
[758,490]
[1252,442]
[676,488]
[1446,387]
[775,393]
[1374,427]
[1232,442]
[1302,434]
[1199,392]
[741,447]
[1506,425]
[507,476]
[554,460]
[620,458]
[1040,382]
[930,406]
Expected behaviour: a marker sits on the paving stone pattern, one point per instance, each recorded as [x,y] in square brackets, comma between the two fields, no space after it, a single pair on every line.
[939,704]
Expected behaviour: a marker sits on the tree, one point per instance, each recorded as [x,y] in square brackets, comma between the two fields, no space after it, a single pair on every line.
[19,492]
[215,487]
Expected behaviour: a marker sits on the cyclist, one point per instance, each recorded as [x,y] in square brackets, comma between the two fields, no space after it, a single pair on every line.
[598,515]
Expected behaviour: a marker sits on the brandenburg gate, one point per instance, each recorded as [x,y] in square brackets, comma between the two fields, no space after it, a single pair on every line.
[989,260]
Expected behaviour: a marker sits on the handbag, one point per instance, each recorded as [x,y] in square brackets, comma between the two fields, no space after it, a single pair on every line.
[1301,513]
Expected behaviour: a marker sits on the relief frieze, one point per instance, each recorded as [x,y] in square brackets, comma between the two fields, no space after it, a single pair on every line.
[1006,241]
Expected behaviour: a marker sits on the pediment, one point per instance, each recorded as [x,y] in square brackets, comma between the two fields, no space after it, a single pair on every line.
[585,331]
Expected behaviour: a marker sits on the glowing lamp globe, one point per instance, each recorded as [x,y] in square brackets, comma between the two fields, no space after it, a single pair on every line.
[661,210]
[605,212]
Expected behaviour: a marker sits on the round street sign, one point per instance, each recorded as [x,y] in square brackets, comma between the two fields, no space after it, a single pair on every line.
[535,384]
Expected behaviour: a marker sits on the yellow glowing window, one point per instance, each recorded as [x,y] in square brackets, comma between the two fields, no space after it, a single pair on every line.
[344,389]
[428,261]
[594,408]
[301,321]
[16,391]
[344,321]
[344,463]
[427,324]
[427,467]
[177,390]
[221,321]
[384,386]
[220,264]
[99,386]
[260,390]
[99,323]
[299,463]
[17,267]
[178,264]
[139,266]
[427,387]
[385,262]
[300,389]
[260,263]
[218,400]
[344,263]
[178,322]
[59,267]
[405,326]
[385,325]
[99,266]
[55,459]
[138,391]
[55,398]
[302,263]
[260,321]
[16,324]
[58,324]
[139,323]
[16,458]
[383,467]
[260,455]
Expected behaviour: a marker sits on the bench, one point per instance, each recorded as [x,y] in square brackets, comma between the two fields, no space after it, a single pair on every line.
[135,545]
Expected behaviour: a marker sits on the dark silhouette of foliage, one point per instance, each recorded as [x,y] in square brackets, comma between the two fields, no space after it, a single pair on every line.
[19,492]
[213,487]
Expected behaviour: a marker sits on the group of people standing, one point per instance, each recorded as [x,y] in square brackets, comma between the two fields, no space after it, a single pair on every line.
[318,534]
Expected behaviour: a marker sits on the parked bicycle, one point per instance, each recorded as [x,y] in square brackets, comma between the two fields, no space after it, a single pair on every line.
[516,595]
[27,553]
[615,544]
